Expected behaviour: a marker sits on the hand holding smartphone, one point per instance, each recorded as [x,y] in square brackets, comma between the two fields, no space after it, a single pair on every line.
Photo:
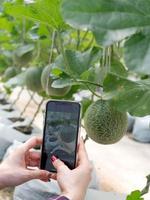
[60,138]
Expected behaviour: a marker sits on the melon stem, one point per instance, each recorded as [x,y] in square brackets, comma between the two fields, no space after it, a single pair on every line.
[78,39]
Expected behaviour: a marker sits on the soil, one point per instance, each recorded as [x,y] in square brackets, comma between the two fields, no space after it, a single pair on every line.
[9,109]
[24,129]
[16,119]
[3,102]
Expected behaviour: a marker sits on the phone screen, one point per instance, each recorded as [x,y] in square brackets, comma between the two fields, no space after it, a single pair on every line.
[60,133]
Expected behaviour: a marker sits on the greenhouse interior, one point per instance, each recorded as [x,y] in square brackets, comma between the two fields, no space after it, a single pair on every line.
[74,100]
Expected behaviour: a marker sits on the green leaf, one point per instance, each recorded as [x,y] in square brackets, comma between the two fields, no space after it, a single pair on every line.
[77,62]
[4,37]
[44,11]
[118,68]
[56,72]
[58,65]
[111,20]
[18,80]
[127,95]
[62,82]
[135,195]
[94,74]
[24,49]
[81,62]
[5,24]
[137,53]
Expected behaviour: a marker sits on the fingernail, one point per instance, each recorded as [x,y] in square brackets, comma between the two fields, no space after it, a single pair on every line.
[53,158]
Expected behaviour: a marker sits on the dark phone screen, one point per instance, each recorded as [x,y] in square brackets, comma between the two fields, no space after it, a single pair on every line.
[60,133]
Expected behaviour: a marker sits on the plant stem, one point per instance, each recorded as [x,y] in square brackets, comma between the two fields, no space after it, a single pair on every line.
[50,58]
[84,36]
[86,138]
[23,30]
[103,58]
[37,111]
[92,97]
[52,46]
[94,93]
[63,53]
[107,59]
[146,188]
[18,97]
[82,126]
[31,97]
[38,50]
[90,44]
[55,45]
[110,55]
[89,82]
[78,39]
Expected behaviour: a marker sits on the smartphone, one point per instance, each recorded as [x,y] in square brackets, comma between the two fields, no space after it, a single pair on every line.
[61,130]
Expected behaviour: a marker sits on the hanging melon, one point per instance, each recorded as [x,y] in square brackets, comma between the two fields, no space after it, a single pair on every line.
[33,79]
[46,81]
[104,124]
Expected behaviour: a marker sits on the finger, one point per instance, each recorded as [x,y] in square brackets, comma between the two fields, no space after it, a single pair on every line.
[58,164]
[33,155]
[39,174]
[82,153]
[33,159]
[33,163]
[54,176]
[32,142]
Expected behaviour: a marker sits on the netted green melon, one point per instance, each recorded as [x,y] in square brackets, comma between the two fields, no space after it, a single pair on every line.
[9,73]
[47,81]
[33,79]
[104,124]
[23,60]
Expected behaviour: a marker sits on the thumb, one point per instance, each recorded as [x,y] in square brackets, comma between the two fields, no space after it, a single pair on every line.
[39,174]
[58,164]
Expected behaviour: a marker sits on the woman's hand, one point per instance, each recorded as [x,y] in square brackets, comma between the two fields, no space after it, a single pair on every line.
[74,183]
[14,170]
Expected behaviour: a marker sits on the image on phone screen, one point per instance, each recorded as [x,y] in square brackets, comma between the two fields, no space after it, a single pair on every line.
[60,134]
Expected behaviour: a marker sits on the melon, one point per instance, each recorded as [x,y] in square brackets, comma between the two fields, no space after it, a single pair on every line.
[104,124]
[33,79]
[46,81]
